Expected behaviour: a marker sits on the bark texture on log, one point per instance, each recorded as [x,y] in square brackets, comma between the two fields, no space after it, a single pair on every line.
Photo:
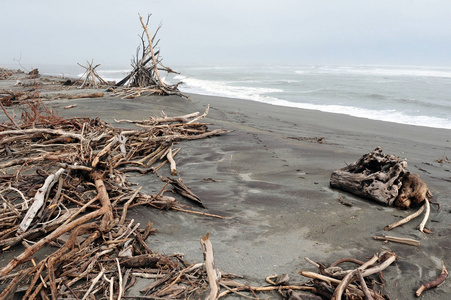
[381,178]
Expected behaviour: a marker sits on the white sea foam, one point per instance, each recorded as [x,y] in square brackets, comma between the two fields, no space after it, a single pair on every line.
[222,88]
[381,115]
[378,71]
[276,96]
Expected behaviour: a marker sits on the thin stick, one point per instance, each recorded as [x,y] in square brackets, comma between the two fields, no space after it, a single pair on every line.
[149,38]
[365,289]
[426,215]
[9,117]
[161,292]
[311,262]
[201,116]
[120,279]
[198,213]
[407,241]
[172,162]
[326,279]
[94,282]
[126,205]
[233,291]
[262,289]
[406,219]
[340,199]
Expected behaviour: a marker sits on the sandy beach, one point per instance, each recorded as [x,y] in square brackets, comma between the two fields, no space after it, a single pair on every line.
[271,180]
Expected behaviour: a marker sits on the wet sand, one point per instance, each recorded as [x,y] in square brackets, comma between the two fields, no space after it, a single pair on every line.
[271,179]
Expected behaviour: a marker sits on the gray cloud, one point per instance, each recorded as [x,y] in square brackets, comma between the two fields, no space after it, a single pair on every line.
[200,31]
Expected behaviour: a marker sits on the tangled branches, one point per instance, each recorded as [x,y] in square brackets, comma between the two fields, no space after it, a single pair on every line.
[59,176]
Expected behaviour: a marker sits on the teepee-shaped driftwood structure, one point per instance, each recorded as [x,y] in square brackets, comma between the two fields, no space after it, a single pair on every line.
[90,77]
[145,78]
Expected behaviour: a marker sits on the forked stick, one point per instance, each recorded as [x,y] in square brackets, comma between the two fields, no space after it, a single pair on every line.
[350,277]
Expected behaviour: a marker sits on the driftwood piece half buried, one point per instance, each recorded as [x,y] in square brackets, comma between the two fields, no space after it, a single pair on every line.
[212,272]
[183,190]
[381,178]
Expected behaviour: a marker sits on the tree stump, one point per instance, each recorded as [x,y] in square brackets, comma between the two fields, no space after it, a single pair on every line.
[381,178]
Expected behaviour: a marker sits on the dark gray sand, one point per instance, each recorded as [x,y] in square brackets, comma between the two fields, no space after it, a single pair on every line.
[272,182]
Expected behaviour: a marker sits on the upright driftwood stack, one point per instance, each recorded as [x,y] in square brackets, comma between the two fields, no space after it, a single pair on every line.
[145,78]
[90,77]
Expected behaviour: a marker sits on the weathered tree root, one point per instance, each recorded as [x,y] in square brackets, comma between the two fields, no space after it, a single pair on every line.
[381,178]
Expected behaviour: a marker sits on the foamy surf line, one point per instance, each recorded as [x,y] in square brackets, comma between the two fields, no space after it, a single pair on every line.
[222,89]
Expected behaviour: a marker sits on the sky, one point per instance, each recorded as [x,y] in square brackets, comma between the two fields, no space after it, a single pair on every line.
[229,32]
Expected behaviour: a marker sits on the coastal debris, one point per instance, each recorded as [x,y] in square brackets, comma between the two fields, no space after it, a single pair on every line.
[64,184]
[443,160]
[406,219]
[213,274]
[334,282]
[5,74]
[440,279]
[340,199]
[319,140]
[381,178]
[145,78]
[90,77]
[395,239]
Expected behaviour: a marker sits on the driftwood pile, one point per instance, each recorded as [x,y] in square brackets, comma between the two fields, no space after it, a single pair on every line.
[145,78]
[63,184]
[334,282]
[90,77]
[384,179]
[5,74]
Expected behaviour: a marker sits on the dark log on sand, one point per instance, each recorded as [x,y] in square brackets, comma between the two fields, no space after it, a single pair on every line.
[381,178]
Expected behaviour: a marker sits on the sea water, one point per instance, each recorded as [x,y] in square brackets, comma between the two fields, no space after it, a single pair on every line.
[403,94]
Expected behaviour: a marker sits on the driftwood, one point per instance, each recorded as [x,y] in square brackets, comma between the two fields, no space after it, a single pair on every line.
[406,219]
[64,184]
[340,282]
[434,283]
[381,178]
[212,272]
[397,240]
[90,77]
[145,78]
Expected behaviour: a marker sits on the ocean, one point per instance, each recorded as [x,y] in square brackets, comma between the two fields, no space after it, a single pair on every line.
[402,94]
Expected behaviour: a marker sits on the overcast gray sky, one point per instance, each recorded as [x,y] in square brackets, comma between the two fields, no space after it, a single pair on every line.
[412,32]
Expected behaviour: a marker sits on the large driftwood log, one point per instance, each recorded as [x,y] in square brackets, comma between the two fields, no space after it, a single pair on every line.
[381,178]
